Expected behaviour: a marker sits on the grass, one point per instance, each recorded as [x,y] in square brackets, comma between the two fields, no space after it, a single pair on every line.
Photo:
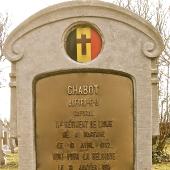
[168,146]
[12,162]
[163,166]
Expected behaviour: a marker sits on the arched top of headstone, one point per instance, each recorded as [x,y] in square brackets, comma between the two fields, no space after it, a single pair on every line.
[80,9]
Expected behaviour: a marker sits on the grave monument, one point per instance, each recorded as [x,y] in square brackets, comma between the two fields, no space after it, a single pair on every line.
[84,88]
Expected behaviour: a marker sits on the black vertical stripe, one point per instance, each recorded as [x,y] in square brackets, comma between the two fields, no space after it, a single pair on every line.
[71,46]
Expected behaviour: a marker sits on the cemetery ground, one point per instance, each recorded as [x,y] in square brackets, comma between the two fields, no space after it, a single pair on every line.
[164,166]
[12,161]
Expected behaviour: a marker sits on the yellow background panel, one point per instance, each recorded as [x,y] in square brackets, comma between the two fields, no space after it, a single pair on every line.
[83,58]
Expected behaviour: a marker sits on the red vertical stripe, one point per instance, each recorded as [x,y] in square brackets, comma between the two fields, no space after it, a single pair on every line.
[96,44]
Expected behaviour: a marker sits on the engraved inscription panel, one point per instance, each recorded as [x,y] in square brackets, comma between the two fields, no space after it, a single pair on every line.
[84,121]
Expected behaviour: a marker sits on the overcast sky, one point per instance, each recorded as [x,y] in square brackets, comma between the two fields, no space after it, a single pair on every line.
[18,11]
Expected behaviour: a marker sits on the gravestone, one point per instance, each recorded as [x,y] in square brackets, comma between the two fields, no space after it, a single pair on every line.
[6,133]
[84,88]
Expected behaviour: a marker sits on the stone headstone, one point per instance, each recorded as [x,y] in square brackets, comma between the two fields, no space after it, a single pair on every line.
[5,138]
[6,133]
[84,85]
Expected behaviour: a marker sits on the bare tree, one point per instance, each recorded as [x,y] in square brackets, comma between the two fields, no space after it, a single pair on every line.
[3,34]
[158,14]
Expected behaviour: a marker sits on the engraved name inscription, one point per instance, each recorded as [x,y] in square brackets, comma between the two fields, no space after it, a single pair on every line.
[83,89]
